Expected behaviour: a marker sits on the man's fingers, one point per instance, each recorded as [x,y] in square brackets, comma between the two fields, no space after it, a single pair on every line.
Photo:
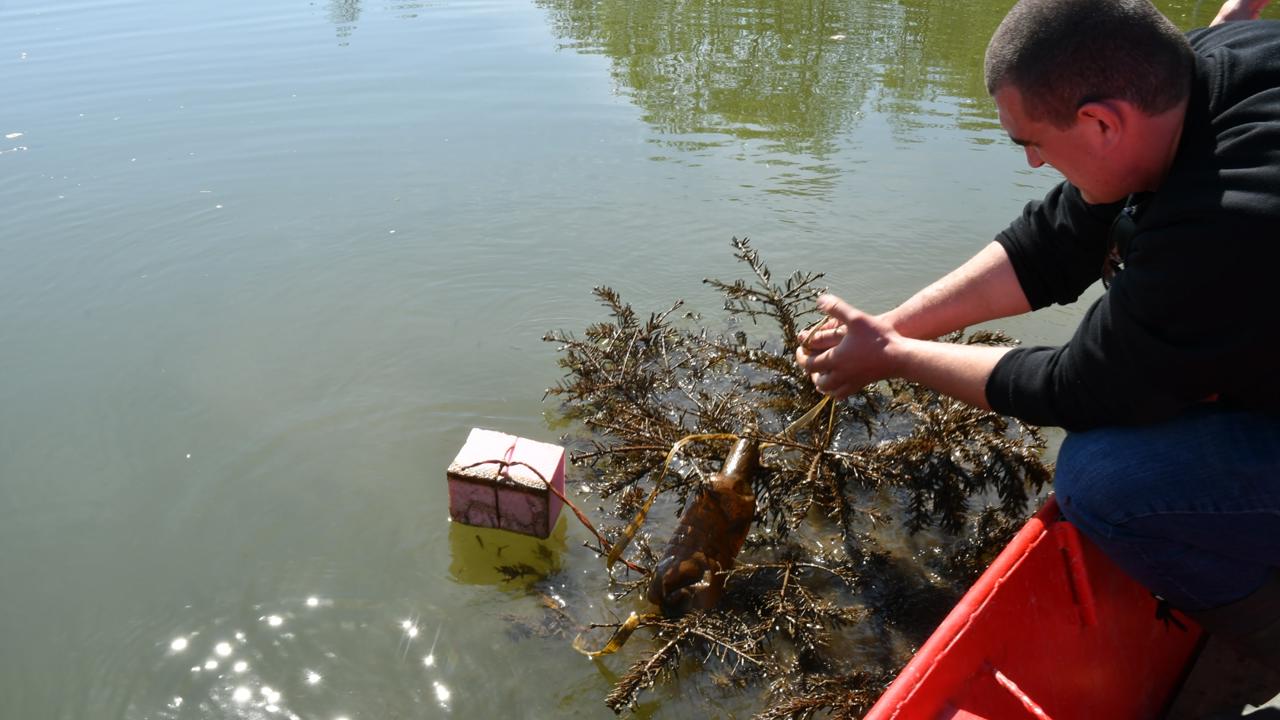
[818,331]
[838,309]
[829,385]
[825,338]
[821,344]
[819,362]
[824,383]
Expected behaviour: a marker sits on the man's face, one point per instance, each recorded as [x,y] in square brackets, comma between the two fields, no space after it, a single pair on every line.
[1071,152]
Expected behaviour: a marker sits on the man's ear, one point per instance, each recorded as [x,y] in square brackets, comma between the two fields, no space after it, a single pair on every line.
[1104,120]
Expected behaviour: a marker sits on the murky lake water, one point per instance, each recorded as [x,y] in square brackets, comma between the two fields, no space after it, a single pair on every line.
[262,266]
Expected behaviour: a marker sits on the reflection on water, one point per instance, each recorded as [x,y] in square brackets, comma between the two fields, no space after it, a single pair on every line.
[14,148]
[779,80]
[301,660]
[786,74]
[792,76]
[774,83]
[481,556]
[322,657]
[767,81]
[344,14]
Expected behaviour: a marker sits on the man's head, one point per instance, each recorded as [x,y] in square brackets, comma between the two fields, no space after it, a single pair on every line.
[1060,54]
[1095,88]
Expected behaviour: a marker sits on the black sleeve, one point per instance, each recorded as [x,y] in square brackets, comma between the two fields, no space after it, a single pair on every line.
[1160,340]
[1057,245]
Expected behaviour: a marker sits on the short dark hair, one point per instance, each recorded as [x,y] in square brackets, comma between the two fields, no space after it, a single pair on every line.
[1060,54]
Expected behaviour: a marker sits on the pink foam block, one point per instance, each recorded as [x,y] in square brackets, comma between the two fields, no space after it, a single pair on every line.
[514,498]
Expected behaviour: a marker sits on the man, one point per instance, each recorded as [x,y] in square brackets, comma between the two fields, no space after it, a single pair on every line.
[1170,387]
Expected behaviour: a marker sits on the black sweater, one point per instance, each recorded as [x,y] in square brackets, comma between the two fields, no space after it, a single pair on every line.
[1190,317]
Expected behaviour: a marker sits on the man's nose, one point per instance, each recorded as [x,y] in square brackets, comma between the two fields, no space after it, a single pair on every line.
[1033,157]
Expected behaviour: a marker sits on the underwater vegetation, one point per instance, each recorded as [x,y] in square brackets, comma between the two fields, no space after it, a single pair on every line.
[869,520]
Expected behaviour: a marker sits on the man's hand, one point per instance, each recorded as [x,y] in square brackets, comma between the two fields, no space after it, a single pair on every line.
[1239,10]
[852,349]
[847,351]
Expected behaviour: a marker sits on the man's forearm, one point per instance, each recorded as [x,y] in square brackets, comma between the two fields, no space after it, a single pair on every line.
[960,371]
[983,288]
[1234,10]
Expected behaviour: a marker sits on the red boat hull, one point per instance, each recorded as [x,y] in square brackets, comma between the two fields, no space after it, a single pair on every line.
[1052,630]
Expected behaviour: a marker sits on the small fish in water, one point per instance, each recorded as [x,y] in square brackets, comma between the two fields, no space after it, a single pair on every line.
[690,575]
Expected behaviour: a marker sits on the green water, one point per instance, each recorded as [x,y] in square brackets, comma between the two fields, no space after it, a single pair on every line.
[262,266]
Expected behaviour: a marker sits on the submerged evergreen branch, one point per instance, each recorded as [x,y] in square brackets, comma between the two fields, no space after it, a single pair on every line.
[816,602]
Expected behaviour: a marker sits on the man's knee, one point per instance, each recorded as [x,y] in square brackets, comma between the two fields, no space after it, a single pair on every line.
[1089,478]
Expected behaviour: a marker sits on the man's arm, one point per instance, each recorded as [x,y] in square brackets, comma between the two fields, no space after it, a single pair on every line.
[984,288]
[852,349]
[1233,10]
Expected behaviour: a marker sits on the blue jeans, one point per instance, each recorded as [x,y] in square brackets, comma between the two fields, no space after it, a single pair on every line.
[1190,507]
